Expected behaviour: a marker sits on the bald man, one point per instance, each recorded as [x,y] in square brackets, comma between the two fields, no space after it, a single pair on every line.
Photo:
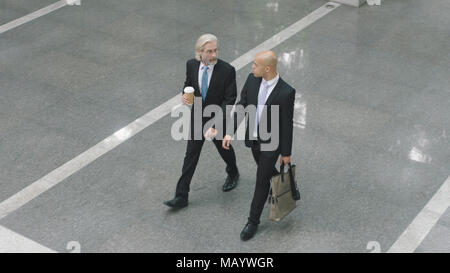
[264,89]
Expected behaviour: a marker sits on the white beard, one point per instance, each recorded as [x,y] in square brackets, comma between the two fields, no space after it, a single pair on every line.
[210,63]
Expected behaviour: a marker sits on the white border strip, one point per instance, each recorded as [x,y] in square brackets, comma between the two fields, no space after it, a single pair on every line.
[45,183]
[11,242]
[416,232]
[32,16]
[84,159]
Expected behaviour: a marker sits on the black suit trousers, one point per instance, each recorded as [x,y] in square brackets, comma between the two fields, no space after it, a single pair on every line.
[193,150]
[266,169]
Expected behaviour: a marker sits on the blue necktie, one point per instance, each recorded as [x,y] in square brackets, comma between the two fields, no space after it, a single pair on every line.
[262,96]
[204,82]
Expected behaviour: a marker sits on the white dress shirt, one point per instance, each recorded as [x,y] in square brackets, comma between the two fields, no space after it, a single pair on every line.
[272,83]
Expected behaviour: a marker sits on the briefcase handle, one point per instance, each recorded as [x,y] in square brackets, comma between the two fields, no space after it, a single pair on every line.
[295,192]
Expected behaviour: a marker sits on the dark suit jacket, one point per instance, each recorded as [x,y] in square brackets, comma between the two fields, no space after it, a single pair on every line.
[282,95]
[222,89]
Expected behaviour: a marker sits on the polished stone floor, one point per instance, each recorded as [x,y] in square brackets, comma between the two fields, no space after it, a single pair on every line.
[371,136]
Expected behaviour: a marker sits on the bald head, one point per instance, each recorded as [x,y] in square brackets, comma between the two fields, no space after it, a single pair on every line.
[265,64]
[268,58]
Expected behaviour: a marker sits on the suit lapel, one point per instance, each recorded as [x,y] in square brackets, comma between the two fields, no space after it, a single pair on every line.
[257,86]
[215,72]
[213,77]
[276,90]
[196,68]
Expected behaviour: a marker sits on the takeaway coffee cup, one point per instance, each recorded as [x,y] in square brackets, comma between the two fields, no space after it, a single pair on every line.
[189,91]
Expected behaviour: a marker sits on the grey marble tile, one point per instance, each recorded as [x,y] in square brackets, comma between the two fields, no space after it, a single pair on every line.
[371,148]
[62,70]
[436,241]
[83,119]
[22,97]
[9,15]
[12,9]
[445,218]
[29,151]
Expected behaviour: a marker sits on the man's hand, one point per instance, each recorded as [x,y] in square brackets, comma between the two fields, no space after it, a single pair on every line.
[226,142]
[285,160]
[211,133]
[184,99]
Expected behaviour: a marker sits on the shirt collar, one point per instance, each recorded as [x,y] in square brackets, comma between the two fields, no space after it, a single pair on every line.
[210,67]
[272,81]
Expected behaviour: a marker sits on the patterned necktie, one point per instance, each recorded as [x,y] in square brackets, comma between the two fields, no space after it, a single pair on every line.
[261,102]
[204,82]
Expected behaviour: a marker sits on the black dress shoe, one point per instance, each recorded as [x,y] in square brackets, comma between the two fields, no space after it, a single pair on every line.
[249,231]
[177,203]
[230,182]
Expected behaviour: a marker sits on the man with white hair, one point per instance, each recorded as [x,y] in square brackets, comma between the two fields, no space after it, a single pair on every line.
[214,81]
